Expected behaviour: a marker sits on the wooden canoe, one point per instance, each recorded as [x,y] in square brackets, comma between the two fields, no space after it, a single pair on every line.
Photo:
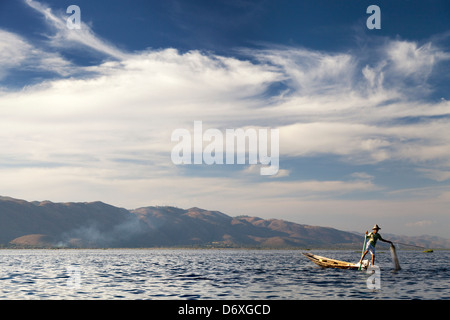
[332,263]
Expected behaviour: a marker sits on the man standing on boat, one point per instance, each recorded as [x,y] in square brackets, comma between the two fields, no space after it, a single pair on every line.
[372,238]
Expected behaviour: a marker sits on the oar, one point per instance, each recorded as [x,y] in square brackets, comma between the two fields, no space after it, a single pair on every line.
[411,245]
[364,248]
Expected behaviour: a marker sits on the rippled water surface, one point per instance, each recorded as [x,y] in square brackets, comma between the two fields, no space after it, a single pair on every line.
[214,274]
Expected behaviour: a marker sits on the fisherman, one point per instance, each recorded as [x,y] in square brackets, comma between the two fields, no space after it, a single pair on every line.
[373,237]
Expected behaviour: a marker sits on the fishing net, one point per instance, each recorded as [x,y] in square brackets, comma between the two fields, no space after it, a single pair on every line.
[394,258]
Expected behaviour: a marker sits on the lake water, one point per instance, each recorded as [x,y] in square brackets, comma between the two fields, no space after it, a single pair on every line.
[215,274]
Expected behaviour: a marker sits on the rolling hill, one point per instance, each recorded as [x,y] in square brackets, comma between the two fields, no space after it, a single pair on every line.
[97,224]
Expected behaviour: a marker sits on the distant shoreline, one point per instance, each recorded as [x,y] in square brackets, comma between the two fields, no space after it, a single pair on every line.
[383,250]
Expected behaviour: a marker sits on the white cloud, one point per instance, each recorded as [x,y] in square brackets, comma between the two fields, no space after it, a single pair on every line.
[138,101]
[344,139]
[311,72]
[411,60]
[151,93]
[126,111]
[281,174]
[362,175]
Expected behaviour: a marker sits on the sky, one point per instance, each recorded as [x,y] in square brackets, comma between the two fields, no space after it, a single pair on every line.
[363,114]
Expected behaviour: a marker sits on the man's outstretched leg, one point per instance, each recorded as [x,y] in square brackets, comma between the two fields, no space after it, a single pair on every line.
[362,257]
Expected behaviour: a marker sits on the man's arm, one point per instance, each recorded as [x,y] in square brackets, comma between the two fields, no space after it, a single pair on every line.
[381,238]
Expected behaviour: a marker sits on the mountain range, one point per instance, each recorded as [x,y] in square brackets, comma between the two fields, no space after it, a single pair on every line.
[100,225]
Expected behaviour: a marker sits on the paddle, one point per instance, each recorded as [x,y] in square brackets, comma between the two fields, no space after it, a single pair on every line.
[364,248]
[411,245]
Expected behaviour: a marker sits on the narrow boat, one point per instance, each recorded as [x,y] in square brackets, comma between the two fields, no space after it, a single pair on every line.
[332,263]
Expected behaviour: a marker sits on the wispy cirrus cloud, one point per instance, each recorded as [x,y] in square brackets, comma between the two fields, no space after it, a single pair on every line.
[410,59]
[66,37]
[13,50]
[435,174]
[17,53]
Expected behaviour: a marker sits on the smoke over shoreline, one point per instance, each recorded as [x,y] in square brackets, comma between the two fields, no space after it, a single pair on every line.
[96,235]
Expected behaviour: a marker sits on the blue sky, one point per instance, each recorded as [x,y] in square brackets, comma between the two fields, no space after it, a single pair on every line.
[363,114]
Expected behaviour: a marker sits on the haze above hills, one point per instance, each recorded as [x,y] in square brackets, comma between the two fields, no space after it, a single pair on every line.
[100,225]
